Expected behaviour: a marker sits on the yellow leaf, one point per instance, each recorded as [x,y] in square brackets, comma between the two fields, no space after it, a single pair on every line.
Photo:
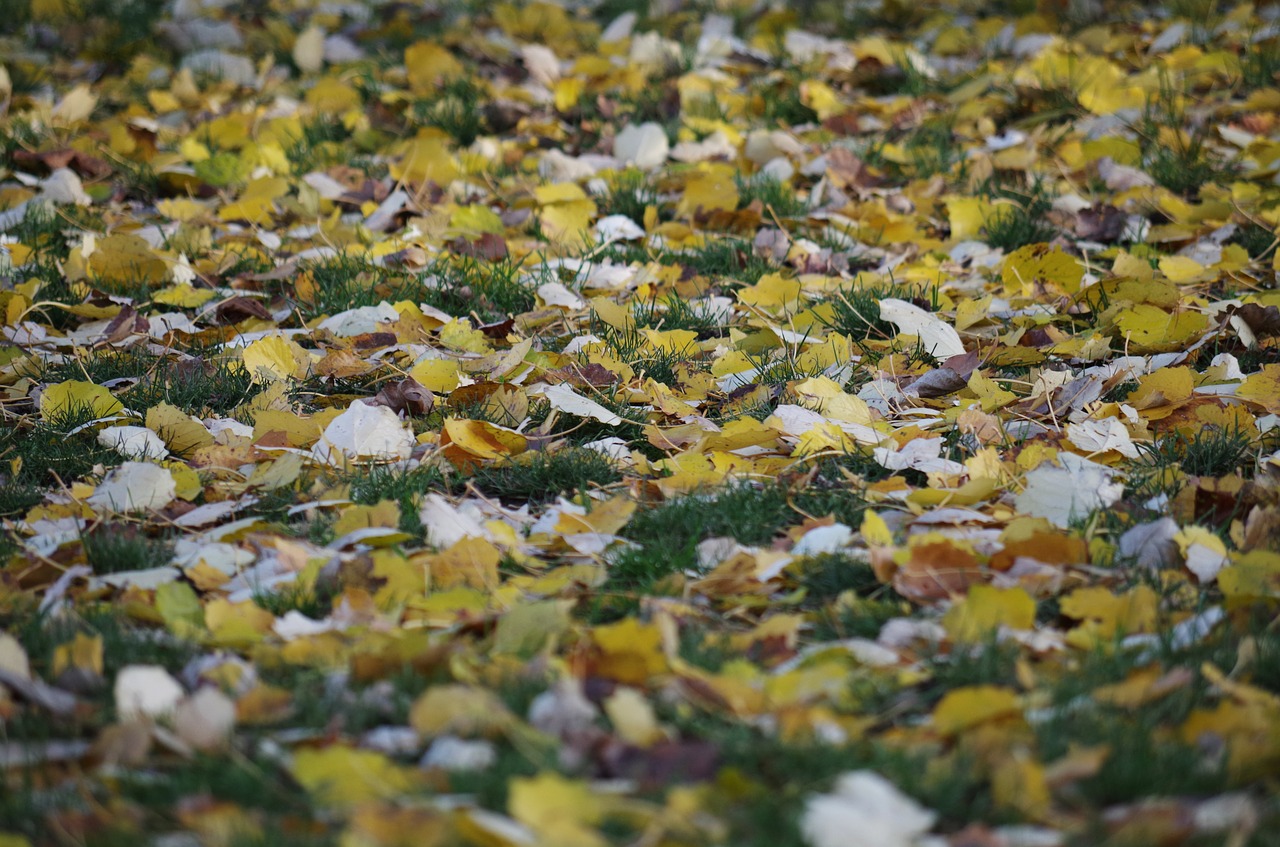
[1147,329]
[476,220]
[332,96]
[84,652]
[125,259]
[428,64]
[75,106]
[184,296]
[459,710]
[276,358]
[967,216]
[180,432]
[1162,389]
[713,189]
[633,717]
[567,92]
[180,607]
[1183,269]
[1109,614]
[483,439]
[1036,264]
[1255,575]
[525,630]
[76,397]
[631,651]
[425,159]
[875,531]
[774,294]
[963,708]
[566,211]
[677,341]
[1263,388]
[460,335]
[558,809]
[237,624]
[989,392]
[985,609]
[468,561]
[341,776]
[438,375]
[1019,784]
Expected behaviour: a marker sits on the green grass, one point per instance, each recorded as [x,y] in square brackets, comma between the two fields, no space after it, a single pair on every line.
[827,576]
[1210,451]
[196,385]
[668,535]
[857,312]
[490,290]
[1259,64]
[312,601]
[1257,240]
[725,260]
[349,282]
[49,454]
[1021,220]
[319,146]
[677,313]
[631,191]
[540,476]
[454,109]
[778,198]
[115,547]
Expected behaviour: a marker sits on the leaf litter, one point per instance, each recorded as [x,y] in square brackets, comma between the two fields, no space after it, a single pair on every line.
[611,424]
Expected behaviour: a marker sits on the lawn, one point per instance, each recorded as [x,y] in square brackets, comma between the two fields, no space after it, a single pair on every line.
[613,423]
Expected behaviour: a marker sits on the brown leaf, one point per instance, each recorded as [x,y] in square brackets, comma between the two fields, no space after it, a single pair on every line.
[498,329]
[1100,223]
[591,375]
[128,322]
[1263,321]
[374,340]
[407,397]
[238,309]
[936,383]
[489,246]
[82,163]
[848,171]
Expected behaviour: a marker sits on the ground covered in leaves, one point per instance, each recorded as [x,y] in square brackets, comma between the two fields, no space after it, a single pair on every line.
[598,424]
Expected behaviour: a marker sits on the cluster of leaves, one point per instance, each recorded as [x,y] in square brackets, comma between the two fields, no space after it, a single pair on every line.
[532,423]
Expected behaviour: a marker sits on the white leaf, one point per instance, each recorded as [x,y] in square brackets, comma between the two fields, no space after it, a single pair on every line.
[205,719]
[921,454]
[1070,492]
[446,524]
[557,294]
[939,338]
[644,145]
[619,28]
[359,321]
[308,50]
[563,398]
[1101,436]
[135,486]
[823,539]
[541,63]
[618,228]
[364,433]
[133,442]
[63,186]
[864,810]
[75,106]
[451,753]
[146,691]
